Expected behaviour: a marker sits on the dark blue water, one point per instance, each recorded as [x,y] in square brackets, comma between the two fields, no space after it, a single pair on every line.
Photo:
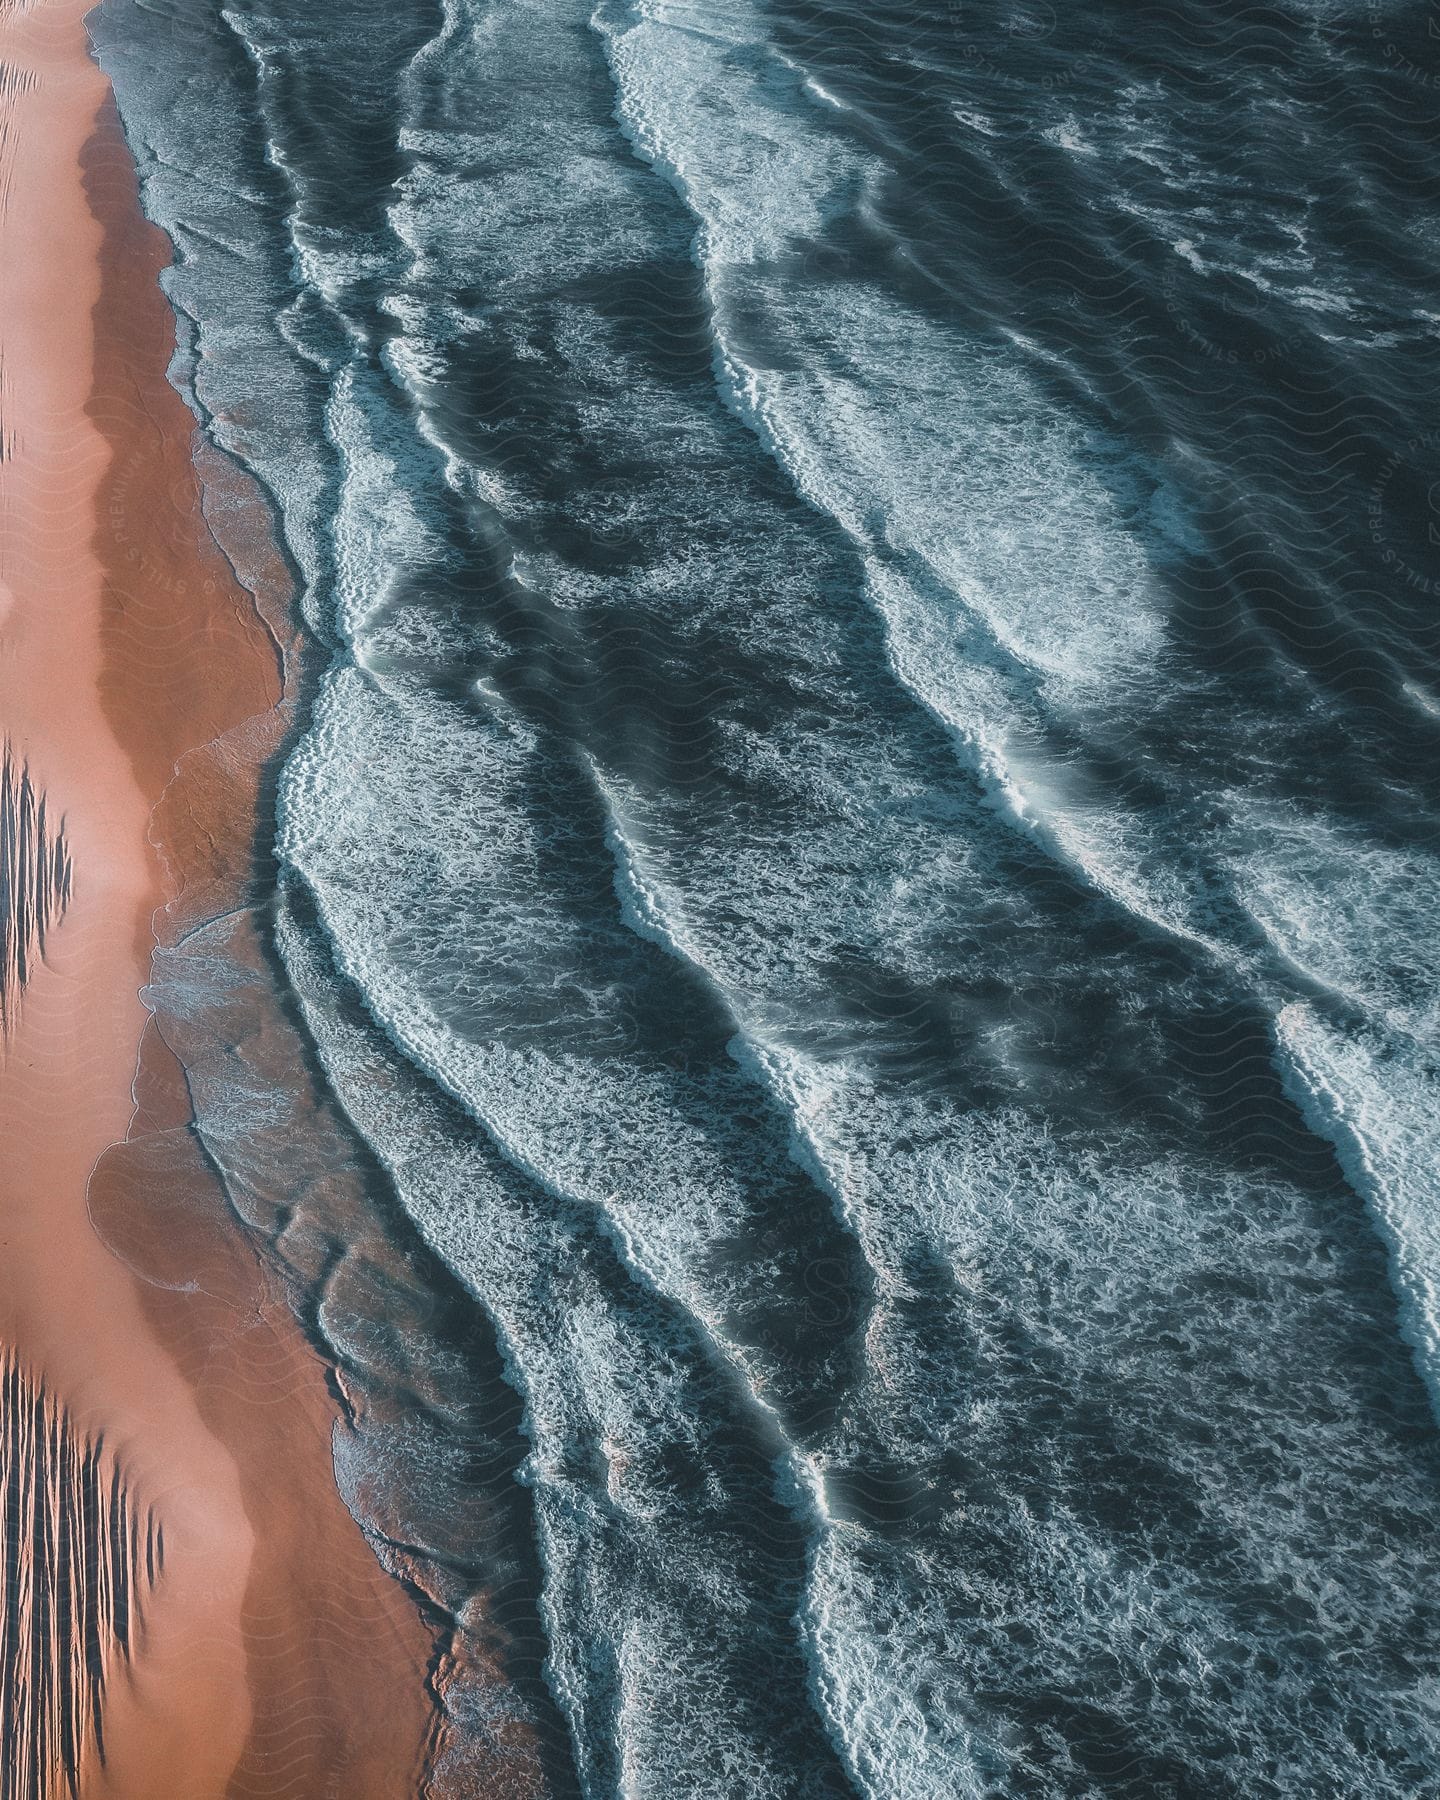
[862,851]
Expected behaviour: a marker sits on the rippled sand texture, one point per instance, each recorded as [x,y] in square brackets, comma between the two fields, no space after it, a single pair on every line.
[78,1555]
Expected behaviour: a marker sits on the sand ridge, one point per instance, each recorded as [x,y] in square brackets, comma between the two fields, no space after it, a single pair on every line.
[77,1563]
[37,877]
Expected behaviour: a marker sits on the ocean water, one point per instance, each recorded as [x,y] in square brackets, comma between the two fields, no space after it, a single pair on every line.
[860,857]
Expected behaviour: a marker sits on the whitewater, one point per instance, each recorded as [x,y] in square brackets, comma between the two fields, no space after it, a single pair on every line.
[860,853]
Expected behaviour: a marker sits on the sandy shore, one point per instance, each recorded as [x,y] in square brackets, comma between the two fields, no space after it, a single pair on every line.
[270,1654]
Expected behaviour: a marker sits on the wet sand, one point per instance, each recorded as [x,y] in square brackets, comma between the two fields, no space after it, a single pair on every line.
[271,1654]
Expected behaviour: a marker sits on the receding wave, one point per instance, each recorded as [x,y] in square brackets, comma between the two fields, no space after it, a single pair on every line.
[857,861]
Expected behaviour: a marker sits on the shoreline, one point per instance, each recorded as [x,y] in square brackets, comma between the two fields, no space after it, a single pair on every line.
[271,1652]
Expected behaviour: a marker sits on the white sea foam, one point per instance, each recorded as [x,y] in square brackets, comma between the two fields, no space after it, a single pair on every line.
[593,1141]
[1000,535]
[1032,1306]
[1377,1103]
[1013,559]
[1345,909]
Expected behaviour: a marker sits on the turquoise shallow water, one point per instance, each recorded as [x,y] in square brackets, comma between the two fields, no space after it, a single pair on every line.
[860,857]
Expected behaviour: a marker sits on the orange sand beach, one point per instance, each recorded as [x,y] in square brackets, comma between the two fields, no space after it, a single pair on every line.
[239,1636]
